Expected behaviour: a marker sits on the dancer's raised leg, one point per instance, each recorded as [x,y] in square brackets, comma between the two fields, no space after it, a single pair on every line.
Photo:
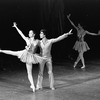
[9,52]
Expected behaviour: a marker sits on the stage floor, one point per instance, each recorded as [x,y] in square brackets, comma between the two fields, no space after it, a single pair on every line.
[70,84]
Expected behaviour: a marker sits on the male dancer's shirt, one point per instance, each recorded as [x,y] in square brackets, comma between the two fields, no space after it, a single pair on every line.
[46,47]
[32,47]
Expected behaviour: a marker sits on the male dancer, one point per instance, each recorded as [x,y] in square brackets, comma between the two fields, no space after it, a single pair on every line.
[46,45]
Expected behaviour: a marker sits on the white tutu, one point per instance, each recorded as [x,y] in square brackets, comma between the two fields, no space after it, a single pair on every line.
[27,57]
[81,46]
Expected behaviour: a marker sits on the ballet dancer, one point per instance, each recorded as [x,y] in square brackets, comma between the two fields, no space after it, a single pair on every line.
[46,45]
[81,46]
[27,55]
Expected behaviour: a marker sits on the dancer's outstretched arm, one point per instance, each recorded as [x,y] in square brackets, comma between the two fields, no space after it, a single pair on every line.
[62,37]
[19,31]
[99,32]
[68,16]
[9,52]
[90,33]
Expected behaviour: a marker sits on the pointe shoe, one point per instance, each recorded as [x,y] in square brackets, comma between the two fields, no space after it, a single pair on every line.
[75,65]
[39,88]
[33,88]
[83,67]
[52,88]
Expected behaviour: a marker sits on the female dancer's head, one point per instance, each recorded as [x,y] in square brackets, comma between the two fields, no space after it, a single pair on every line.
[79,26]
[31,33]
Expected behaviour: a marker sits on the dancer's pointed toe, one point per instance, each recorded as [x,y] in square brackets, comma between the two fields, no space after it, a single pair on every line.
[33,88]
[82,67]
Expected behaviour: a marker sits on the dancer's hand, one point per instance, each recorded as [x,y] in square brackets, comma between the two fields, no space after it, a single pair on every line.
[14,24]
[70,32]
[0,50]
[99,32]
[27,47]
[68,16]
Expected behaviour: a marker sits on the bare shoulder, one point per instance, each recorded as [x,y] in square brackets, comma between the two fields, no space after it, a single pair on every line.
[27,38]
[50,39]
[37,40]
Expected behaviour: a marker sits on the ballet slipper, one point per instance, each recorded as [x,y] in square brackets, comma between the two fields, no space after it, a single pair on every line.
[83,67]
[52,88]
[39,88]
[33,88]
[75,64]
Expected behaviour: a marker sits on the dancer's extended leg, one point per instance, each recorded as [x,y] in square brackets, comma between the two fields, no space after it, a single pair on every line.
[9,52]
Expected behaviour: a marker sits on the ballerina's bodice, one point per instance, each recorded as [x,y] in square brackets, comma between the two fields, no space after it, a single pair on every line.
[31,47]
[81,34]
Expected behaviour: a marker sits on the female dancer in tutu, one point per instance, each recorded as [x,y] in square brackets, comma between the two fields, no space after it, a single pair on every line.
[81,46]
[27,55]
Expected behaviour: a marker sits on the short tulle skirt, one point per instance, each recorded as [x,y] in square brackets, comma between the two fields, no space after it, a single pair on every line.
[81,46]
[28,57]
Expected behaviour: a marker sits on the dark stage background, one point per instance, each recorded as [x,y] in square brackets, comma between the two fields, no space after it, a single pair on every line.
[51,15]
